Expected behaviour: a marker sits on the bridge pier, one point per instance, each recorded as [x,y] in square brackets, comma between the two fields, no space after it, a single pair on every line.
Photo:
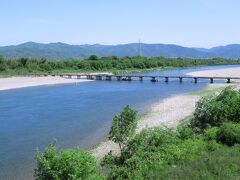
[108,78]
[166,79]
[153,79]
[211,80]
[119,78]
[129,78]
[140,78]
[228,80]
[195,80]
[89,77]
[180,79]
[69,76]
[98,77]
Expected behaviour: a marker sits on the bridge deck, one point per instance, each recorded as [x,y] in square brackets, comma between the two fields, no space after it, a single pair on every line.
[141,77]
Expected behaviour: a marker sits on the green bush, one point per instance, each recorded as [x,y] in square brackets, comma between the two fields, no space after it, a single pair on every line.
[215,110]
[210,134]
[221,164]
[3,65]
[154,150]
[229,134]
[67,164]
[184,130]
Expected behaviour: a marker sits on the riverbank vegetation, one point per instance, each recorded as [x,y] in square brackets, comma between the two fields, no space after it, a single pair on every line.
[25,66]
[206,147]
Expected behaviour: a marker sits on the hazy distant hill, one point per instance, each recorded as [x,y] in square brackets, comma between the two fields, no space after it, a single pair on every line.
[65,51]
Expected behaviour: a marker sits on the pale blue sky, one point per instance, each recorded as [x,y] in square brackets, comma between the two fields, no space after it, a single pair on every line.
[193,23]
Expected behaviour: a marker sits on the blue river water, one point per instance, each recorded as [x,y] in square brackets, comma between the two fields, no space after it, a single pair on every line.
[74,114]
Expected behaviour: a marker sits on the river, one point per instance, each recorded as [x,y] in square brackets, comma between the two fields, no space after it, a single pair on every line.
[74,114]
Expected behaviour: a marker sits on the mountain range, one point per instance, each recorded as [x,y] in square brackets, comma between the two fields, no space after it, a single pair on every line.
[62,51]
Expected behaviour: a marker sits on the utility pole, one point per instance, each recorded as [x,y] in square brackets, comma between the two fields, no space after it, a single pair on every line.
[140,47]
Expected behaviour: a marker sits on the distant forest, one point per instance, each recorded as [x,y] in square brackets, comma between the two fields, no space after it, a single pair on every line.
[24,66]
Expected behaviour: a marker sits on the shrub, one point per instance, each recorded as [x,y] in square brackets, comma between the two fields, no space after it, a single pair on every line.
[65,164]
[215,110]
[229,134]
[210,134]
[123,126]
[221,164]
[155,150]
[93,57]
[3,65]
[184,130]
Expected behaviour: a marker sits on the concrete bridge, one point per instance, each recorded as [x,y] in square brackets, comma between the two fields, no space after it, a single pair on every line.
[108,77]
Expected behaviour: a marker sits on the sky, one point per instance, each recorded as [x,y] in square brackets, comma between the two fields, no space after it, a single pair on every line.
[191,23]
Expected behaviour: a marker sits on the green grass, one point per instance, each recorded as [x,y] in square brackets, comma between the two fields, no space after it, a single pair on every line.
[221,164]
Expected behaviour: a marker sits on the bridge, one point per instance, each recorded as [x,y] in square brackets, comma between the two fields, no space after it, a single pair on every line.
[108,77]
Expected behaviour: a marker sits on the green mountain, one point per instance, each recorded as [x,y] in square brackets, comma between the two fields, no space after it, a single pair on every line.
[61,51]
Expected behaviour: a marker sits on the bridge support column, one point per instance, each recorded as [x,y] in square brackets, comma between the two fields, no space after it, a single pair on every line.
[153,79]
[108,78]
[228,80]
[140,78]
[98,77]
[69,76]
[180,79]
[119,78]
[78,77]
[129,78]
[211,80]
[195,80]
[166,79]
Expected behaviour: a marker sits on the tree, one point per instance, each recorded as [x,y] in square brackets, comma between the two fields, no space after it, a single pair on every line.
[123,126]
[215,110]
[2,64]
[23,61]
[66,164]
[93,57]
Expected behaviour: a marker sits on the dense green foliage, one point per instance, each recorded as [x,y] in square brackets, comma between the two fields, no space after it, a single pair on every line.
[154,151]
[221,164]
[68,164]
[93,63]
[123,126]
[229,134]
[161,153]
[217,109]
